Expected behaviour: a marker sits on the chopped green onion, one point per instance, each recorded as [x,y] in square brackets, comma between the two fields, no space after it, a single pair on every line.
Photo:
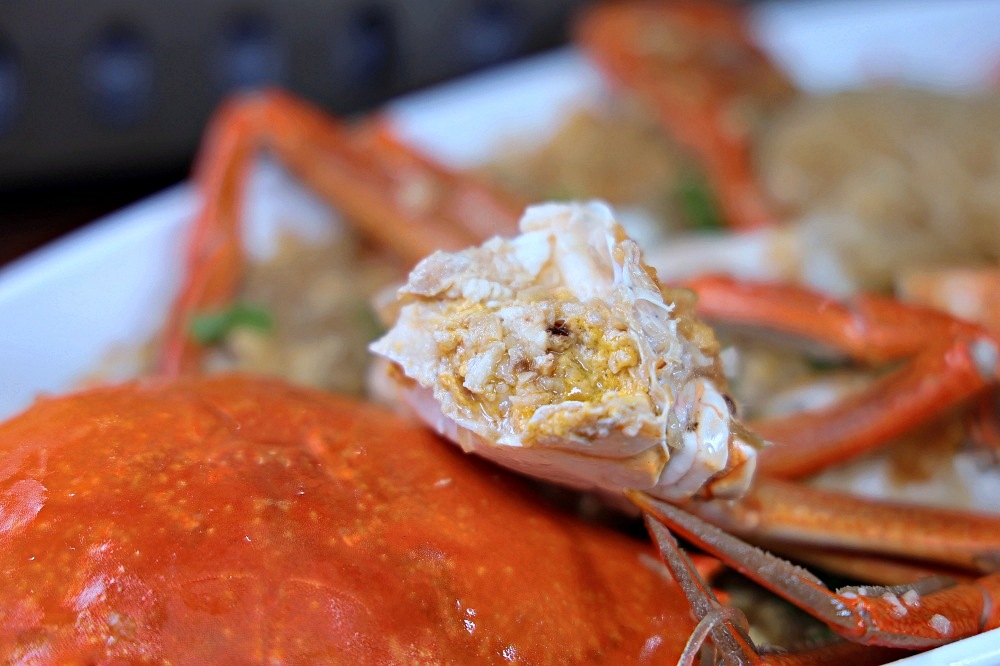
[817,364]
[210,328]
[368,321]
[697,202]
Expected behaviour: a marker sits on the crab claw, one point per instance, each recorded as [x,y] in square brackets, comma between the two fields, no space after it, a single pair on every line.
[557,353]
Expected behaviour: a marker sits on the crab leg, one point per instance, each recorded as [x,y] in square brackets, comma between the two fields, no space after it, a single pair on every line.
[393,194]
[863,566]
[923,616]
[788,512]
[972,294]
[837,653]
[952,361]
[727,627]
[696,66]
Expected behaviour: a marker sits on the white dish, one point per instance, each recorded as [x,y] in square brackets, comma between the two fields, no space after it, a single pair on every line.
[109,286]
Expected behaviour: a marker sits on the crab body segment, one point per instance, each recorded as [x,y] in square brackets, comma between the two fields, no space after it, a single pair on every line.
[559,354]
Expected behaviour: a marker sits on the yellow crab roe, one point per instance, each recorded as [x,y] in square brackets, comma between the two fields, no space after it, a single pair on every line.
[585,356]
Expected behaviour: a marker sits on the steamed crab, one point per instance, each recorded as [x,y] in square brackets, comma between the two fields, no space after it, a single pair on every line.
[254,479]
[377,180]
[557,352]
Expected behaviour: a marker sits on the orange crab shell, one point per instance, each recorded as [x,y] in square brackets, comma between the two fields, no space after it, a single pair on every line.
[236,520]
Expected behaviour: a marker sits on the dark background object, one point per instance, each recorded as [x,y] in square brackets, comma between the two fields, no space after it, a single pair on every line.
[102,102]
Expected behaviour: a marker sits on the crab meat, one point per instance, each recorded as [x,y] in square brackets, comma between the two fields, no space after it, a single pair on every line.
[559,354]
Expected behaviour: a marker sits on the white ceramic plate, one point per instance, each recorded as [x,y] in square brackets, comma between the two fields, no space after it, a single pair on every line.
[109,286]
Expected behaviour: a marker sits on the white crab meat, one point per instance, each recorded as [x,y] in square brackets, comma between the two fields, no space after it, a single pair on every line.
[557,353]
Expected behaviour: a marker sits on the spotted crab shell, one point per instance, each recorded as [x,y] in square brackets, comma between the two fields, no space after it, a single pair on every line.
[234,520]
[559,354]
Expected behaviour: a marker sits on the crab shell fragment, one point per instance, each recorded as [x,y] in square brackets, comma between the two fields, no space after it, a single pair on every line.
[236,520]
[559,354]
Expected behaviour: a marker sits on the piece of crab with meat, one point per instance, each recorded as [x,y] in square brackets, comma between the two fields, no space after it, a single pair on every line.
[559,354]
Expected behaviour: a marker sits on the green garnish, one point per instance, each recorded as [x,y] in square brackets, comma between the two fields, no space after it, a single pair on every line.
[817,364]
[368,321]
[697,202]
[210,328]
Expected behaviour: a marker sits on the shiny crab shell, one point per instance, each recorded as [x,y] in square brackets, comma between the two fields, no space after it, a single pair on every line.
[234,520]
[559,354]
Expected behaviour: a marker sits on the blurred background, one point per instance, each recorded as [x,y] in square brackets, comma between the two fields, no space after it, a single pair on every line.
[103,102]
